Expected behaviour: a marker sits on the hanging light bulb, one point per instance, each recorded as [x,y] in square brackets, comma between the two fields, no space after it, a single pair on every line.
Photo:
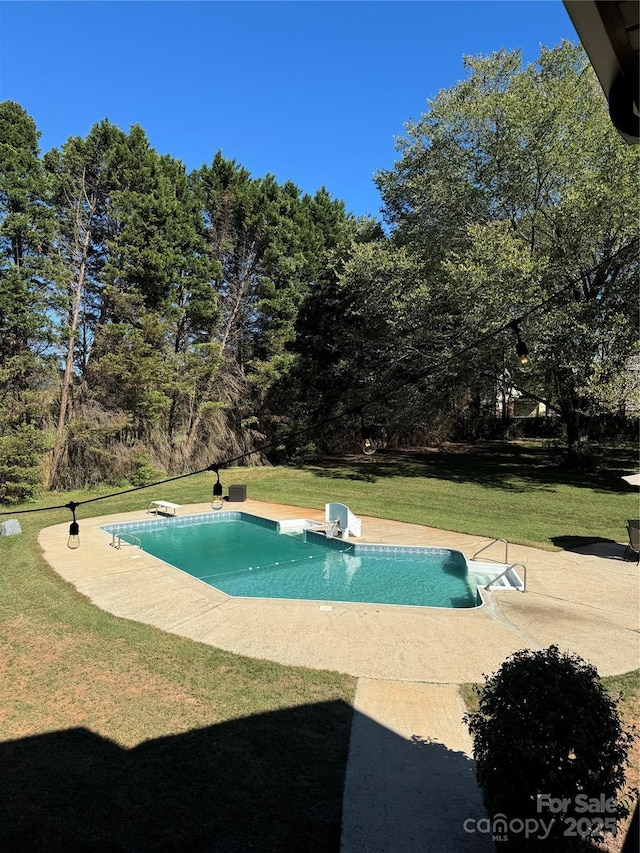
[523,355]
[74,536]
[368,446]
[73,541]
[522,351]
[216,502]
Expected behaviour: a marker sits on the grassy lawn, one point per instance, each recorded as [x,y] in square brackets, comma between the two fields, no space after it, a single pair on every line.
[496,490]
[116,736]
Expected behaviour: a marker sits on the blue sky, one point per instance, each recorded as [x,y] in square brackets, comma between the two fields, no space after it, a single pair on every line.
[314,92]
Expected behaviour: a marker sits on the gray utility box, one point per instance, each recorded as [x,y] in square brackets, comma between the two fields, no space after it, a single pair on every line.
[237,494]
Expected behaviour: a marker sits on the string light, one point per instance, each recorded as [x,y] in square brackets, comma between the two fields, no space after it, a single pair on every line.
[522,350]
[368,445]
[216,502]
[73,541]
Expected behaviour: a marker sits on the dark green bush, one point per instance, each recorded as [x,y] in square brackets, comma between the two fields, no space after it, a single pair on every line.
[546,731]
[20,464]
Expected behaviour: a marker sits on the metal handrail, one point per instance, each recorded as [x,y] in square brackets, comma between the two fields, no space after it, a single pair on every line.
[493,542]
[503,573]
[119,535]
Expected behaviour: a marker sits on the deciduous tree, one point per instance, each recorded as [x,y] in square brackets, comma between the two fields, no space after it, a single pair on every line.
[514,186]
[81,174]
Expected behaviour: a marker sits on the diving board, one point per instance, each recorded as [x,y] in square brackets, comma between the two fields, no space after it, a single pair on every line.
[163,506]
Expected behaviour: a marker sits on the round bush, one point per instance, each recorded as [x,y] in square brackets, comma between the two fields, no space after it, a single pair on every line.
[547,729]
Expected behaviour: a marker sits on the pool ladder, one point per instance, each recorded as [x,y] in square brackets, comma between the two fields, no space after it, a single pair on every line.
[508,569]
[505,562]
[489,544]
[118,536]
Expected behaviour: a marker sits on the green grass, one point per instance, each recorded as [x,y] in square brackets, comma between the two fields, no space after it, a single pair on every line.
[510,491]
[117,736]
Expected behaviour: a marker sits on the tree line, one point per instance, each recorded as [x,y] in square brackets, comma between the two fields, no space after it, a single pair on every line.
[156,321]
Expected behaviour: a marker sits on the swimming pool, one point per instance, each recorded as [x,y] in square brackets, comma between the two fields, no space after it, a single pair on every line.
[248,556]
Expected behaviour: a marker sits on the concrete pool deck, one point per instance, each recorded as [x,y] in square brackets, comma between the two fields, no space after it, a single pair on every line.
[584,603]
[410,781]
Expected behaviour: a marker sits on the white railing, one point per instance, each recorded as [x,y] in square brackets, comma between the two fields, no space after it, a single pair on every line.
[119,535]
[504,572]
[493,542]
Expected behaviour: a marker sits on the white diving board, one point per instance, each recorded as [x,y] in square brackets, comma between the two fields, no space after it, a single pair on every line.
[163,506]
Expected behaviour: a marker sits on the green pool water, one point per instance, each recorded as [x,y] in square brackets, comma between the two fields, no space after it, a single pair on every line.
[243,558]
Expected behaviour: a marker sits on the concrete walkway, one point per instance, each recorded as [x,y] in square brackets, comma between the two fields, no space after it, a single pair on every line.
[410,783]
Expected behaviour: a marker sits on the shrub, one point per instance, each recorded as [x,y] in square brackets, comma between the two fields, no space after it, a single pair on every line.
[143,471]
[20,464]
[546,728]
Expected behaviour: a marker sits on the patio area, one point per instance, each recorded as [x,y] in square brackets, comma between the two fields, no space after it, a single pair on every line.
[584,603]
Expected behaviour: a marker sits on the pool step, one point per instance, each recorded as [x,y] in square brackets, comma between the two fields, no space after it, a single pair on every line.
[509,581]
[297,525]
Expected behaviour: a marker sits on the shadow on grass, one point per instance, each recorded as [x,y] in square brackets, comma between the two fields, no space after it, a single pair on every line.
[507,466]
[270,782]
[240,786]
[595,546]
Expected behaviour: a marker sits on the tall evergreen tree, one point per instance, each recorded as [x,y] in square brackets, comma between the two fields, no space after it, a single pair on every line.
[261,236]
[26,230]
[159,277]
[332,329]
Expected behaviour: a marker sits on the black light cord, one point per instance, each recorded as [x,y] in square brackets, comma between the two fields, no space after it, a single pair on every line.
[354,410]
[105,497]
